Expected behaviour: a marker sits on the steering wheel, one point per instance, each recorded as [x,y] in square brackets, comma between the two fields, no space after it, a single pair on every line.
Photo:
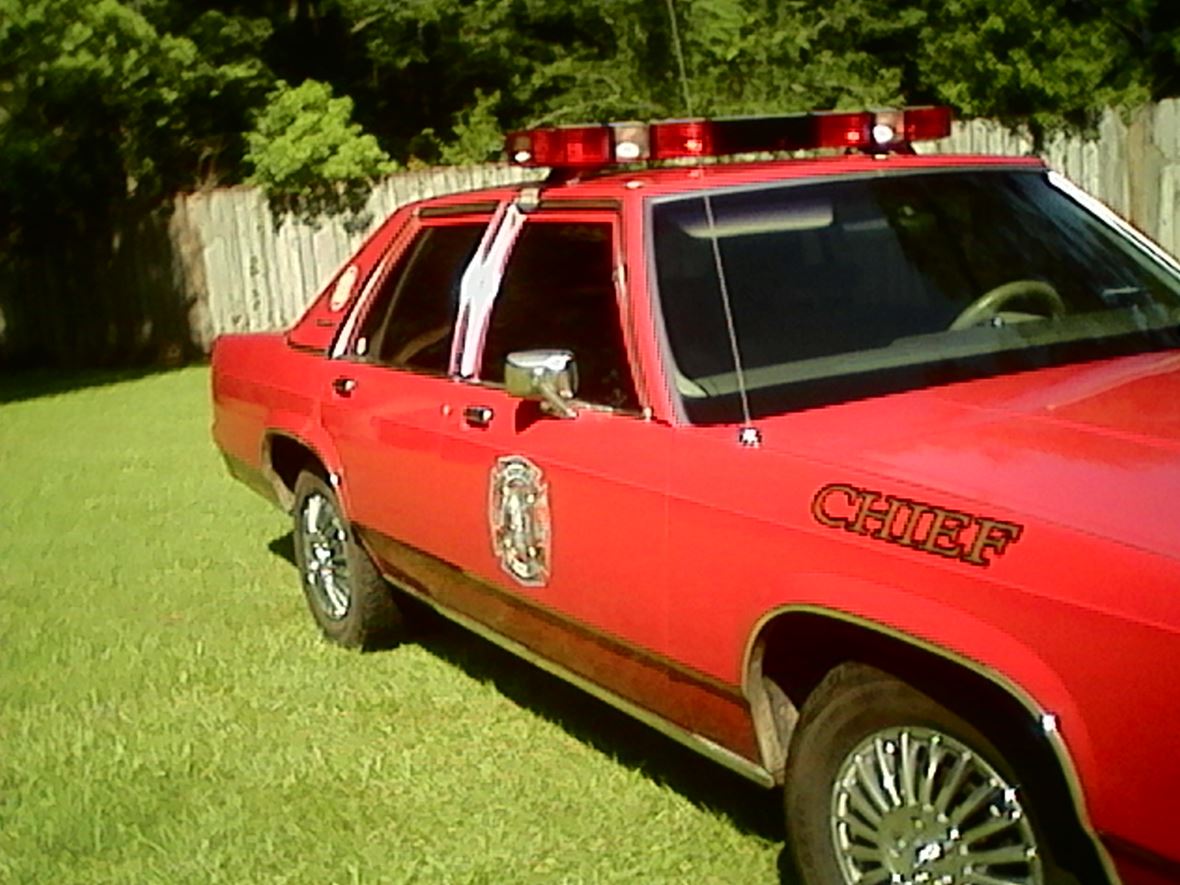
[990,303]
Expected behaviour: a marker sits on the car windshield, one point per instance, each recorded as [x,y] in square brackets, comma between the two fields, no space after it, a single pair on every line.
[844,289]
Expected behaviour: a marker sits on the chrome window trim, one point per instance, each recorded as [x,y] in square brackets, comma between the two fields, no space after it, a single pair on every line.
[344,336]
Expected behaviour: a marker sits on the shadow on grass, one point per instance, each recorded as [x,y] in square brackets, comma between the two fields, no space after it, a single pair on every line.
[752,809]
[26,384]
[284,547]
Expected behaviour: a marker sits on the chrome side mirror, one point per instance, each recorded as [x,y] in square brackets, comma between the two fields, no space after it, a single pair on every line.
[550,376]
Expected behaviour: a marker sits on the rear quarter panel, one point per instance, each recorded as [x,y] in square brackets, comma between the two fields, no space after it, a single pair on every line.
[263,386]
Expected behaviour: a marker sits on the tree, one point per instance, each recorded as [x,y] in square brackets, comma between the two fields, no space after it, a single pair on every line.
[98,108]
[102,118]
[309,156]
[1042,63]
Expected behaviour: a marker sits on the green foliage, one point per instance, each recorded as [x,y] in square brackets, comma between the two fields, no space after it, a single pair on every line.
[1023,61]
[105,102]
[308,154]
[746,56]
[528,62]
[478,137]
[99,108]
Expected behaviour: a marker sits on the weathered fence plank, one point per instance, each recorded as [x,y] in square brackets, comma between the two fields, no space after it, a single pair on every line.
[260,272]
[1134,168]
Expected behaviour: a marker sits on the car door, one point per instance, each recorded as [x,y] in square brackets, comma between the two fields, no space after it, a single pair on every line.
[562,516]
[383,408]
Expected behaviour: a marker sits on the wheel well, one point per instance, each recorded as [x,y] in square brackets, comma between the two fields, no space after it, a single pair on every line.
[285,458]
[797,650]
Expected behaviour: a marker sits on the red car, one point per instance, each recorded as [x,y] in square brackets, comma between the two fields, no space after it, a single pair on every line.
[859,474]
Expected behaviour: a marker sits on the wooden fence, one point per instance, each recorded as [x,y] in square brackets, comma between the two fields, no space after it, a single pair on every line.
[1133,165]
[259,274]
[259,278]
[221,262]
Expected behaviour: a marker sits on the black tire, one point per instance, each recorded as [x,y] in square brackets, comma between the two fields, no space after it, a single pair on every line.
[350,601]
[860,713]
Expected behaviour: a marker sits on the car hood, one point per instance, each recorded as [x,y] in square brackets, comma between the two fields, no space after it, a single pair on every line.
[1095,447]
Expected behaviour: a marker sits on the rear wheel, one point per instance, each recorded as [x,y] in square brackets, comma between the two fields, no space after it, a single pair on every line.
[885,785]
[348,598]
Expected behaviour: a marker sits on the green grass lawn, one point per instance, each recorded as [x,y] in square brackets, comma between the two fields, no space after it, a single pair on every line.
[168,712]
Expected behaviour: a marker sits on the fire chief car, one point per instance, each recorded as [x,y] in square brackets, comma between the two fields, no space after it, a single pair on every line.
[857,472]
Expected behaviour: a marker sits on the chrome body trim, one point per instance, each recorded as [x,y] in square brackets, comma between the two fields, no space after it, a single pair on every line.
[693,741]
[1013,690]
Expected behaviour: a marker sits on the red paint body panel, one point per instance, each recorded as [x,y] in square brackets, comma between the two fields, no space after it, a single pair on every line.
[1058,614]
[676,542]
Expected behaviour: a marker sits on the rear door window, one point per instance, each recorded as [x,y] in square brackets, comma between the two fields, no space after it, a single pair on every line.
[411,322]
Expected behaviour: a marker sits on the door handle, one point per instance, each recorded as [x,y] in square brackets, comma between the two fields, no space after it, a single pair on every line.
[344,386]
[478,416]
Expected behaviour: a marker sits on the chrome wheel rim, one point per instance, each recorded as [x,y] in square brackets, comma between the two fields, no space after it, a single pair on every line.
[325,561]
[915,807]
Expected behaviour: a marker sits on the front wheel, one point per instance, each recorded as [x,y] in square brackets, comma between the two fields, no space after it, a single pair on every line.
[348,598]
[885,785]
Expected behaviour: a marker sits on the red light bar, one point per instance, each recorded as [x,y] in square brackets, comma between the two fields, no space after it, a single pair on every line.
[675,139]
[567,146]
[840,130]
[589,147]
[927,124]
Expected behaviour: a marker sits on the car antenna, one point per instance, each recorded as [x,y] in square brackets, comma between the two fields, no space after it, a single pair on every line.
[748,434]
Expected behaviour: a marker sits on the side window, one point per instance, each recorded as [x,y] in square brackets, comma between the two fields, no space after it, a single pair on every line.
[412,319]
[559,293]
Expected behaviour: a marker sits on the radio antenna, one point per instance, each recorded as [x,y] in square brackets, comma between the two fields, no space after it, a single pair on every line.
[748,434]
[678,48]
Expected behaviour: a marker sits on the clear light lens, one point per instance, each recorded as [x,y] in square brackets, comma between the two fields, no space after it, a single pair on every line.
[883,133]
[627,151]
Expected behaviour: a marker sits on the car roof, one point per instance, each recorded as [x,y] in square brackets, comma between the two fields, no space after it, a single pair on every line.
[664,181]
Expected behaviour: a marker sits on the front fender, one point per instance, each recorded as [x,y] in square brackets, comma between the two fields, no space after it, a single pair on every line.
[980,646]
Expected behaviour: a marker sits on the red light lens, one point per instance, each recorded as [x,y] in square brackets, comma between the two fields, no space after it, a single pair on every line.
[835,130]
[567,147]
[924,124]
[681,138]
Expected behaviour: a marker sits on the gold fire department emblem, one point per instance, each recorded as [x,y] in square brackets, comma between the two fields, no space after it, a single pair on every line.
[518,513]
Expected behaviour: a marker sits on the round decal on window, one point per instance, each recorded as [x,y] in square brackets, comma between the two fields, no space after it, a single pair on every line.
[343,290]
